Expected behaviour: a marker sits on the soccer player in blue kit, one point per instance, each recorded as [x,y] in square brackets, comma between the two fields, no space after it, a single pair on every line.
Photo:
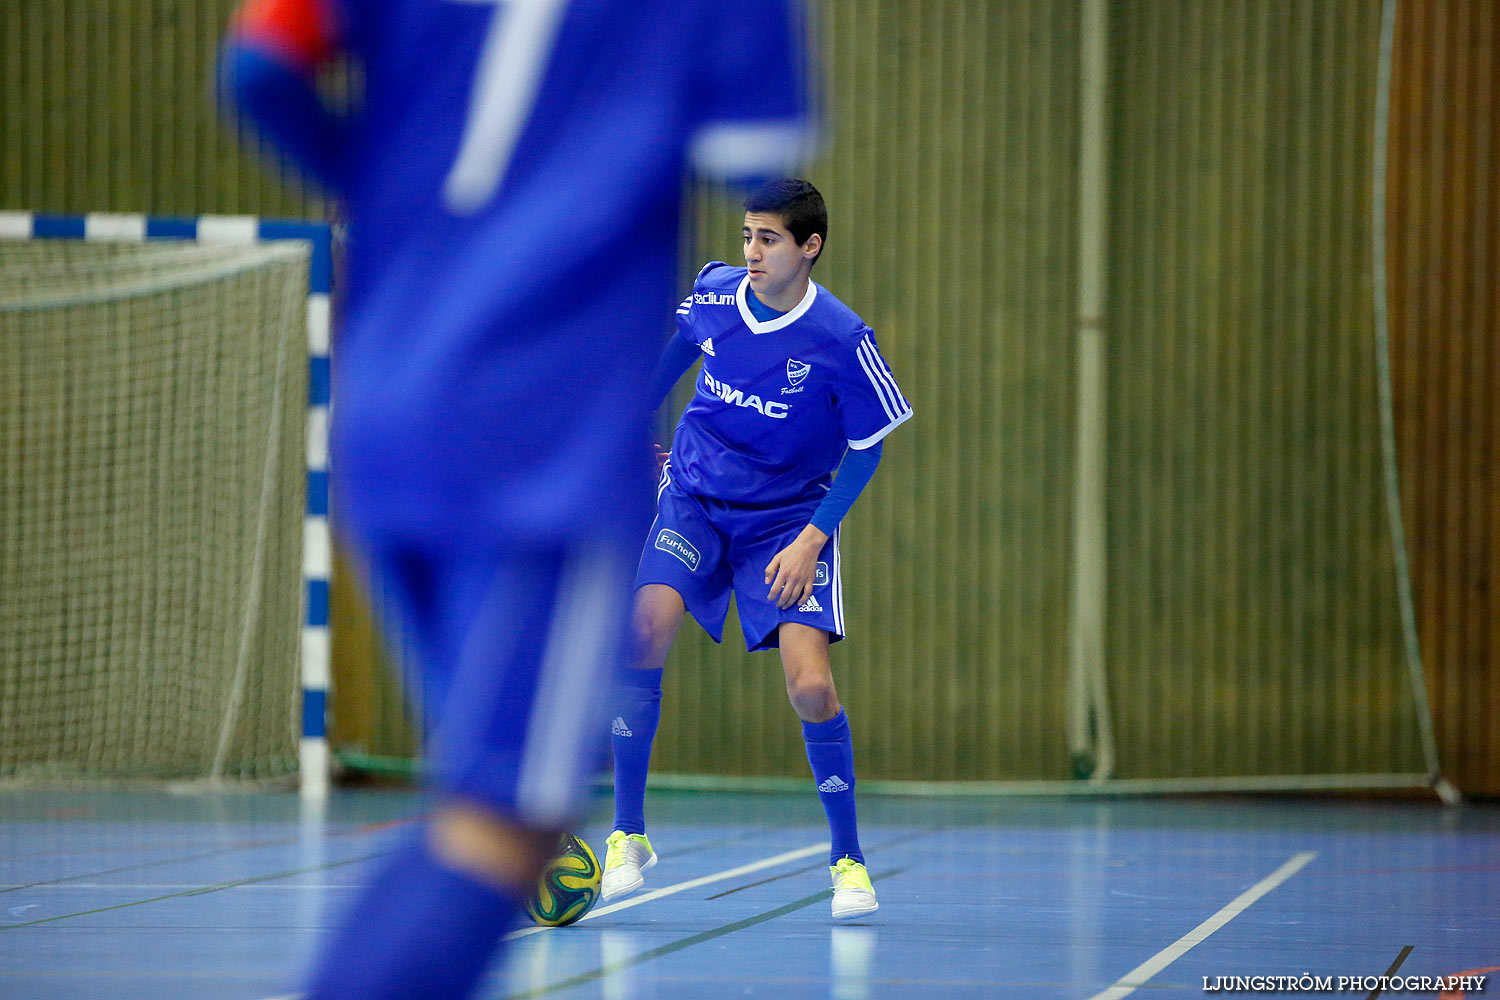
[793,385]
[511,172]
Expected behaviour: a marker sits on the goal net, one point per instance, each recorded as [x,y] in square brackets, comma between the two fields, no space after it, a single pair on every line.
[151,504]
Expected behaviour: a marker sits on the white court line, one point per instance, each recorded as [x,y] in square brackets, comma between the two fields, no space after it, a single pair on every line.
[754,866]
[1143,973]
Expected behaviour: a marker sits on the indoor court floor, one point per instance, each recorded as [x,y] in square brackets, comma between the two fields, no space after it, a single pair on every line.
[133,895]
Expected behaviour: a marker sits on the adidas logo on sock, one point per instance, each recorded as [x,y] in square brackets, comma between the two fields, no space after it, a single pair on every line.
[834,784]
[811,604]
[619,728]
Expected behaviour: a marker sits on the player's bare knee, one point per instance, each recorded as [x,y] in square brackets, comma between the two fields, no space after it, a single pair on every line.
[647,644]
[656,619]
[488,846]
[653,639]
[814,700]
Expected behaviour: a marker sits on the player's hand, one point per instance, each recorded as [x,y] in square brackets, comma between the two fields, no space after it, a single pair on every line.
[793,571]
[661,457]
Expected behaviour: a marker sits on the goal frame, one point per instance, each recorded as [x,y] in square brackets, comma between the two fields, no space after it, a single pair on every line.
[313,758]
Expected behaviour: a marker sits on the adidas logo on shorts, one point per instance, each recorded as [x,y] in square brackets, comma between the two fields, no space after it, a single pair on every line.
[834,784]
[618,728]
[811,604]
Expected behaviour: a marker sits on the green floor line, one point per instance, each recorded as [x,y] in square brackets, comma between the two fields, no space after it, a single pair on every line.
[200,891]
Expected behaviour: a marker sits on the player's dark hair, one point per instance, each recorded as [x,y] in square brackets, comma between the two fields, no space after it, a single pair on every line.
[799,205]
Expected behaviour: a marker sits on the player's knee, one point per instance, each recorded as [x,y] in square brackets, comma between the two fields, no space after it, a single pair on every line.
[488,846]
[653,638]
[814,700]
[657,617]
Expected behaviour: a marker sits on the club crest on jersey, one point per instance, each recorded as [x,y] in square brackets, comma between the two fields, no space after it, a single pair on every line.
[737,397]
[671,541]
[796,372]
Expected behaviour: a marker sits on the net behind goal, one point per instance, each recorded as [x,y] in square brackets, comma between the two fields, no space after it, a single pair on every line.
[151,508]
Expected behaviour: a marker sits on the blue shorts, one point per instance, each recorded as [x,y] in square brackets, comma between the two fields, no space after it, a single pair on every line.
[705,548]
[509,654]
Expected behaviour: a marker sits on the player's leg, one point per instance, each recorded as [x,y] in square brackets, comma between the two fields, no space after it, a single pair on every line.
[809,672]
[656,619]
[530,641]
[439,893]
[657,616]
[825,731]
[681,570]
[830,752]
[803,633]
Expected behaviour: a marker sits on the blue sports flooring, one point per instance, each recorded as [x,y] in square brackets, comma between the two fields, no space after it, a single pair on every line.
[224,897]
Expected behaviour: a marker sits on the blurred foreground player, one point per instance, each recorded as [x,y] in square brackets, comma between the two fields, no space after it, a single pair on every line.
[792,386]
[511,173]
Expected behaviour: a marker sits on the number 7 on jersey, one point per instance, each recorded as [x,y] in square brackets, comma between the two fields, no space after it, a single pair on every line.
[509,72]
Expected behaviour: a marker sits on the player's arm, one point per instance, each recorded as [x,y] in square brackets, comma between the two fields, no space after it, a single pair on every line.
[793,571]
[676,358]
[681,350]
[870,405]
[267,74]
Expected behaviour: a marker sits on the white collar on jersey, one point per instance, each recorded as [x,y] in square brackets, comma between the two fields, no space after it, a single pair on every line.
[785,319]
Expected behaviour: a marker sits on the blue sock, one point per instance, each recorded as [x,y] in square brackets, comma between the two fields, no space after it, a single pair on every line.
[830,751]
[632,730]
[421,931]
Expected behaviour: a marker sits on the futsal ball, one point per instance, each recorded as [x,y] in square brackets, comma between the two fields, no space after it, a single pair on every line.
[568,886]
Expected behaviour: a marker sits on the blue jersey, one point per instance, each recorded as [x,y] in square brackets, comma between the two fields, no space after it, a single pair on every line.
[777,402]
[513,180]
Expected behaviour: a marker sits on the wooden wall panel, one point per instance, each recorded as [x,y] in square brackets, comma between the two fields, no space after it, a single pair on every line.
[1444,231]
[107,105]
[1254,627]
